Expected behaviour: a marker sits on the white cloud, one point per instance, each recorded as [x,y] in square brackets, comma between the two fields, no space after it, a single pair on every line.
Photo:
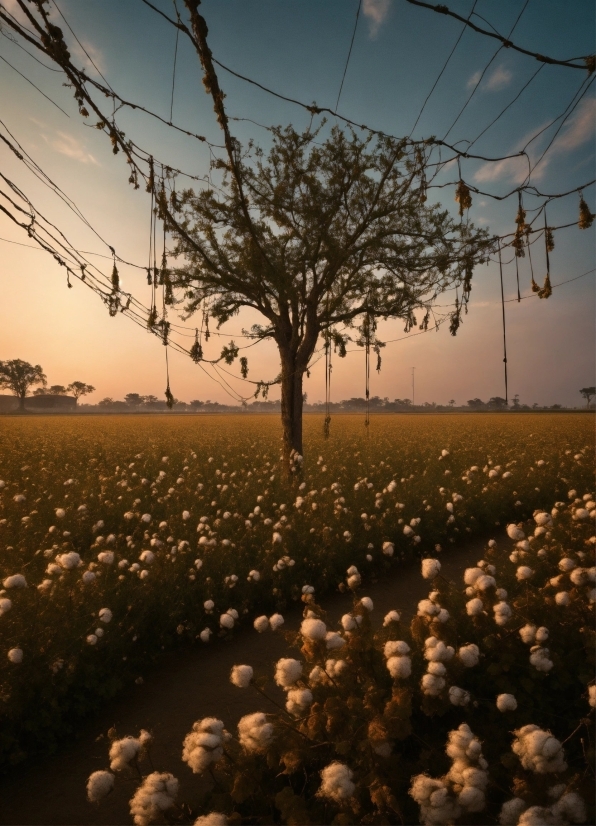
[71,147]
[84,61]
[500,78]
[473,80]
[376,11]
[579,128]
[496,81]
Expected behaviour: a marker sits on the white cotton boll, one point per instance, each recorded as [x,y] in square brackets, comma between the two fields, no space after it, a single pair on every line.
[15,581]
[147,557]
[261,624]
[474,607]
[436,668]
[287,672]
[254,732]
[408,531]
[592,696]
[541,634]
[298,700]
[46,584]
[392,616]
[15,655]
[383,749]
[443,615]
[458,696]
[337,782]
[538,750]
[542,518]
[578,576]
[367,603]
[571,807]
[212,819]
[5,605]
[333,640]
[105,615]
[399,667]
[106,557]
[205,634]
[449,507]
[241,675]
[354,581]
[233,613]
[154,796]
[91,639]
[562,598]
[581,513]
[209,605]
[511,811]
[388,548]
[276,621]
[88,577]
[430,568]
[528,633]
[506,702]
[515,533]
[204,744]
[146,518]
[501,594]
[317,675]
[123,751]
[396,648]
[539,658]
[53,568]
[471,575]
[99,785]
[348,623]
[226,621]
[277,538]
[523,572]
[484,582]
[335,667]
[566,564]
[470,591]
[502,613]
[313,629]
[69,560]
[432,685]
[427,608]
[469,655]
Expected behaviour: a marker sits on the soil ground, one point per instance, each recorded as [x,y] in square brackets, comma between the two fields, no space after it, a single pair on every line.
[184,688]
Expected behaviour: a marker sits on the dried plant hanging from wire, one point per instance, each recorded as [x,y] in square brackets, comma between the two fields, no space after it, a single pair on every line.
[196,351]
[522,228]
[463,195]
[549,244]
[586,218]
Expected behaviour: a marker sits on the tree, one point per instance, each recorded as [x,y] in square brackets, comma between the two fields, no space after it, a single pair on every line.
[56,390]
[107,402]
[150,399]
[79,388]
[317,235]
[476,403]
[134,399]
[451,402]
[19,376]
[587,393]
[497,403]
[196,404]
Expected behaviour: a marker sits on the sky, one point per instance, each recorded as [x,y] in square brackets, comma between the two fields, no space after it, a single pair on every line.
[300,48]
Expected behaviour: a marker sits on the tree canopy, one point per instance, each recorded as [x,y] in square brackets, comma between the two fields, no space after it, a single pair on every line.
[18,376]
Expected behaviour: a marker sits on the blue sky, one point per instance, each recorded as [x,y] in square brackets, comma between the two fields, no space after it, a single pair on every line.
[299,48]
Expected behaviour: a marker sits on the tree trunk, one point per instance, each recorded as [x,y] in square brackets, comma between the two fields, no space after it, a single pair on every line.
[21,408]
[291,405]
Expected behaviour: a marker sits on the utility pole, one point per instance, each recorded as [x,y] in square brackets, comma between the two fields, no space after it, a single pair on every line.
[413,395]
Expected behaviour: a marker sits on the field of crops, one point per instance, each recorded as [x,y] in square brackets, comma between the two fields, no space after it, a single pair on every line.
[124,536]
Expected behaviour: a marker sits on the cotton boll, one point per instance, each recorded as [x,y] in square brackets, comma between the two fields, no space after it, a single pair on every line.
[523,572]
[396,648]
[337,782]
[205,634]
[204,744]
[432,685]
[106,557]
[474,607]
[538,750]
[276,621]
[333,640]
[399,667]
[502,613]
[298,700]
[367,603]
[154,796]
[592,696]
[469,655]
[99,785]
[528,633]
[212,819]
[254,732]
[571,807]
[15,655]
[541,634]
[287,672]
[578,576]
[436,668]
[562,598]
[123,751]
[241,675]
[261,624]
[335,667]
[313,629]
[566,564]
[471,575]
[484,582]
[226,621]
[427,608]
[5,605]
[511,811]
[15,581]
[388,548]
[348,623]
[430,568]
[515,533]
[443,615]
[506,702]
[539,658]
[458,696]
[392,616]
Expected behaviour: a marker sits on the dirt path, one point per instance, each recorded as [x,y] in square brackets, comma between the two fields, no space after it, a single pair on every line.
[182,690]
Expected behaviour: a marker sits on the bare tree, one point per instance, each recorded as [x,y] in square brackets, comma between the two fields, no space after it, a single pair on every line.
[321,238]
[19,376]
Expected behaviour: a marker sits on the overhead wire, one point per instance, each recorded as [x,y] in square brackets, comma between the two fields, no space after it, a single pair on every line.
[341,86]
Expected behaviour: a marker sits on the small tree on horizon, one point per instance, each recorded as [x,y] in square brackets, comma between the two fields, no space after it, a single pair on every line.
[56,390]
[79,388]
[587,393]
[318,236]
[18,376]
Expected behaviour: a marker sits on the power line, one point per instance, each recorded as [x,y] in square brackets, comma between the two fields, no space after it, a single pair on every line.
[349,54]
[34,86]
